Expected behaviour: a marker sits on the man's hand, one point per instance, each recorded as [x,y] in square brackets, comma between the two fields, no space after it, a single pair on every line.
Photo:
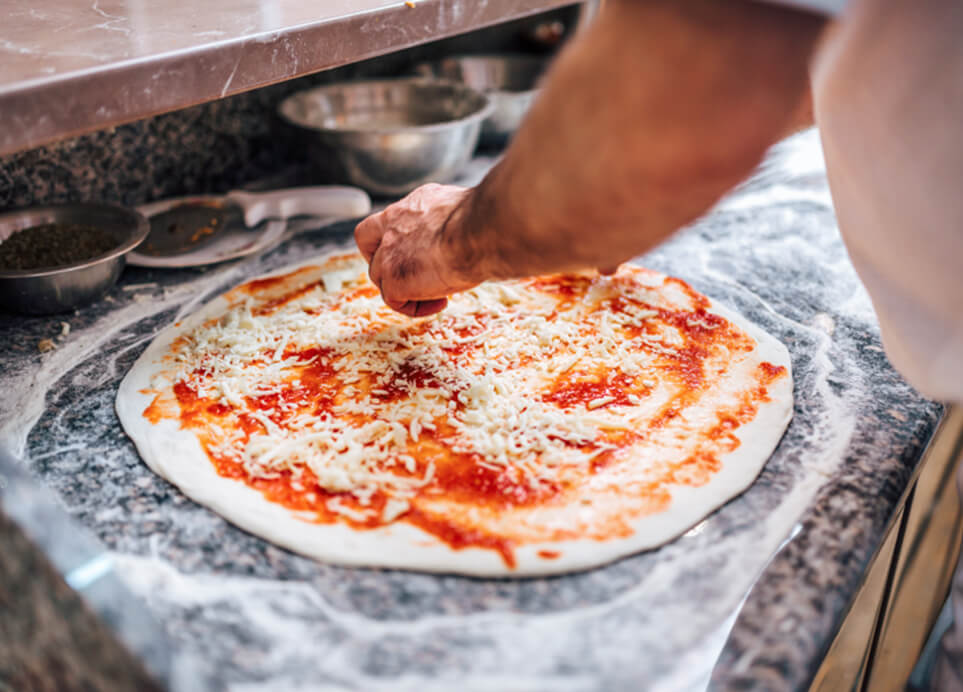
[642,124]
[407,258]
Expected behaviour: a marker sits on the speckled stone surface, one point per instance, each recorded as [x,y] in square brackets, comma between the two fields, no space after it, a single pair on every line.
[755,592]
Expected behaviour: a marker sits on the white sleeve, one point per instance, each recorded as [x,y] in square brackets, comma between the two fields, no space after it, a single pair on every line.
[889,102]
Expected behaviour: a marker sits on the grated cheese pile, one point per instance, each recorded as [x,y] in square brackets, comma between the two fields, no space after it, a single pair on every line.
[478,371]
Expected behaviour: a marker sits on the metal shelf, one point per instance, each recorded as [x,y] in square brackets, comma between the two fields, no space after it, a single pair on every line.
[70,68]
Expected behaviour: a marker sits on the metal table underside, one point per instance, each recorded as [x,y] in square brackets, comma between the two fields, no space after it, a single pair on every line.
[70,68]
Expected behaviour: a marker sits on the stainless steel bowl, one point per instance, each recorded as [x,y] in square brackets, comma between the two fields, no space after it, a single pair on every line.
[389,136]
[510,80]
[46,291]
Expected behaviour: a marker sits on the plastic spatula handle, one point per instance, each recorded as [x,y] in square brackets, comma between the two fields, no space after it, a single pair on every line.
[325,201]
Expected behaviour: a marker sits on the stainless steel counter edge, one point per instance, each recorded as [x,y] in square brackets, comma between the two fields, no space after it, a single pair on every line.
[117,623]
[40,109]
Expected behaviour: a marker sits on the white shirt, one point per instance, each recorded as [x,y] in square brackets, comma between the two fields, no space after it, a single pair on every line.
[888,93]
[888,97]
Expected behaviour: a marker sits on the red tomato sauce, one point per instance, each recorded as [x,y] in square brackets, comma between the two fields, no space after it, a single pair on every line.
[565,394]
[258,287]
[459,477]
[567,285]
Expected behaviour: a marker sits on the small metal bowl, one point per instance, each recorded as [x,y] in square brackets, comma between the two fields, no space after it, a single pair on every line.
[510,80]
[389,136]
[47,291]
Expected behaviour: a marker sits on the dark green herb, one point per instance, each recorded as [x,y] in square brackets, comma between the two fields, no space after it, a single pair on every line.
[53,245]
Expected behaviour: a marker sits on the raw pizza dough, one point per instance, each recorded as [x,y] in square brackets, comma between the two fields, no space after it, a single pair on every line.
[600,521]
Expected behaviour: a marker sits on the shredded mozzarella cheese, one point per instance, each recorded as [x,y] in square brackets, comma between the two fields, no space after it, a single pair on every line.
[481,368]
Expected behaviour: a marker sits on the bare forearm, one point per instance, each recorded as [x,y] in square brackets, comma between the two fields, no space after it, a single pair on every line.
[644,122]
[657,111]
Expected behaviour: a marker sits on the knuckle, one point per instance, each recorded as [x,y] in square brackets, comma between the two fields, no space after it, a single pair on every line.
[367,225]
[367,234]
[359,236]
[390,238]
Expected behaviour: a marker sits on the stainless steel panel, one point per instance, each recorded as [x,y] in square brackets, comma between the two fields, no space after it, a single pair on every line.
[70,68]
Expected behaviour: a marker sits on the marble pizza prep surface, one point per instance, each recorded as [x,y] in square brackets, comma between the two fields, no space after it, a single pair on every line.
[753,593]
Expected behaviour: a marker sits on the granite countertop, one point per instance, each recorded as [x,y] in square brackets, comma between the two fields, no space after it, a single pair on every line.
[751,596]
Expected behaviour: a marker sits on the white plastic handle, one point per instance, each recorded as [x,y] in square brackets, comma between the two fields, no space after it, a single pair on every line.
[328,201]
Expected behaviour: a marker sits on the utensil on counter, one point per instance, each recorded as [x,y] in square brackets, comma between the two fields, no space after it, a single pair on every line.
[51,289]
[205,229]
[510,80]
[389,136]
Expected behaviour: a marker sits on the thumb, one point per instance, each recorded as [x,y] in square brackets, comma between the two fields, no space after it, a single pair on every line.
[418,308]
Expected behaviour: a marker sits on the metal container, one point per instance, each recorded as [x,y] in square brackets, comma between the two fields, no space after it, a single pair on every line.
[389,136]
[509,80]
[46,291]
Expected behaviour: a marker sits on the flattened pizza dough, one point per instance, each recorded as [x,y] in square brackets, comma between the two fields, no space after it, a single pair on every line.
[536,426]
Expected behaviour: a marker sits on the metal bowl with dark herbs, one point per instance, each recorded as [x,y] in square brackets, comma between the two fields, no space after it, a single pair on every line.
[58,257]
[388,136]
